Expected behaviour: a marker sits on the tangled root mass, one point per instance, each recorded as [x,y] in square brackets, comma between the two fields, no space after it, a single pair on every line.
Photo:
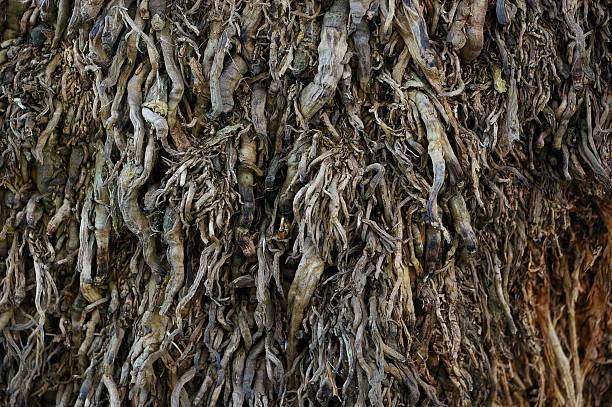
[360,202]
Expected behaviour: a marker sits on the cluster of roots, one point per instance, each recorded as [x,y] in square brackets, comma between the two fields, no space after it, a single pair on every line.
[266,203]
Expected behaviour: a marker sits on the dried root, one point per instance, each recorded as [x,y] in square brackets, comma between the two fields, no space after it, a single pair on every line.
[304,203]
[332,48]
[302,288]
[466,32]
